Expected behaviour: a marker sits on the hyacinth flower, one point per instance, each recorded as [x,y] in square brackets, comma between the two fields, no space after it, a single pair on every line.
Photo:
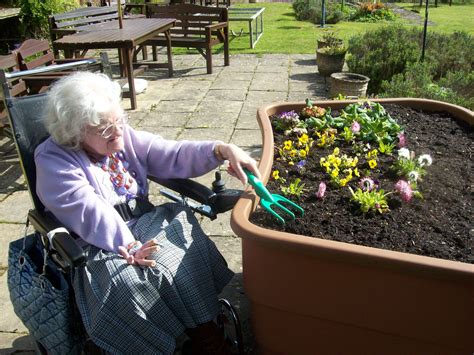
[404,189]
[321,190]
[402,141]
[355,127]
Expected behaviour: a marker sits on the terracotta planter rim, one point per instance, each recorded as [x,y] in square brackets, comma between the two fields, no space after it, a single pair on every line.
[307,245]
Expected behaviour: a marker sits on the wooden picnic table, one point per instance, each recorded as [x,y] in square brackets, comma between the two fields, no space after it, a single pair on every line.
[107,35]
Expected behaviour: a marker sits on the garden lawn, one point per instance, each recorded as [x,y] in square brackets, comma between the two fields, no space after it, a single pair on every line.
[447,19]
[284,34]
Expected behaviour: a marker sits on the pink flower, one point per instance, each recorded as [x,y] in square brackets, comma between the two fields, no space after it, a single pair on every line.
[321,190]
[355,127]
[402,141]
[404,189]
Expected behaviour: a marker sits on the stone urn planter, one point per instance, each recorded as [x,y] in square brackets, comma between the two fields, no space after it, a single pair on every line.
[329,63]
[318,296]
[348,84]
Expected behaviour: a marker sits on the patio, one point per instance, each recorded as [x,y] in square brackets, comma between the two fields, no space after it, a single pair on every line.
[182,107]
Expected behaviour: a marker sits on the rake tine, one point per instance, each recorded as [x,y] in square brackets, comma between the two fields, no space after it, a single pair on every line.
[291,203]
[267,206]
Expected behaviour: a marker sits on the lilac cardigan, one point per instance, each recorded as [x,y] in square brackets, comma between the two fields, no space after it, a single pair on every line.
[68,186]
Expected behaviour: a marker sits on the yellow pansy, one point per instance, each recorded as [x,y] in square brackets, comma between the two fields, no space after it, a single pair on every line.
[276,174]
[372,163]
[303,139]
[302,153]
[287,144]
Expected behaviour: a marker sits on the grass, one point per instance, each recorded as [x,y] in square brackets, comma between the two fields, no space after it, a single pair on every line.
[447,19]
[284,34]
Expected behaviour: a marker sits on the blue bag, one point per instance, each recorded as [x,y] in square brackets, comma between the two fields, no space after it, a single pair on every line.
[40,297]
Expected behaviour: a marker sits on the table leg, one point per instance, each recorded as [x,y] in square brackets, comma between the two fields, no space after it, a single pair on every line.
[128,68]
[169,53]
[251,33]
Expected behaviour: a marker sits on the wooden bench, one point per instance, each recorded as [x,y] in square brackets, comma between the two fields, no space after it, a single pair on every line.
[198,27]
[70,22]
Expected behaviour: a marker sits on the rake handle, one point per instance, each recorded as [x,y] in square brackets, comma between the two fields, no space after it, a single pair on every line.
[260,189]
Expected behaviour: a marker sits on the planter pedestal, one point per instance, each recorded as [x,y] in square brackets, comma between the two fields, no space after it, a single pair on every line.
[329,63]
[318,296]
[348,84]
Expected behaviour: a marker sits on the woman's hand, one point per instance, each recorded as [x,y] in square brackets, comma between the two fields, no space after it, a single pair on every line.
[238,160]
[136,254]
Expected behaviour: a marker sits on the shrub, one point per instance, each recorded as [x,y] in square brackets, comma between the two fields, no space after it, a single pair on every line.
[382,53]
[34,14]
[373,12]
[310,10]
[418,81]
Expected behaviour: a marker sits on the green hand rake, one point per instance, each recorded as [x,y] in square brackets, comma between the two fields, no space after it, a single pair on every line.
[267,199]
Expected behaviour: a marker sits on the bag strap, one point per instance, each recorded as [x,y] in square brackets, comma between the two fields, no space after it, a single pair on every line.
[22,251]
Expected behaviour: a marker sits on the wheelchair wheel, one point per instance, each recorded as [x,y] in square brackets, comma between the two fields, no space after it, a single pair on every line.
[229,321]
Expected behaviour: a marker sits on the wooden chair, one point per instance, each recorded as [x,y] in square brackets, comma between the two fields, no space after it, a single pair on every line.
[16,87]
[34,53]
[199,27]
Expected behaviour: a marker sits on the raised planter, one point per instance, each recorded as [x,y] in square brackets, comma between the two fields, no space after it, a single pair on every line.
[348,84]
[317,296]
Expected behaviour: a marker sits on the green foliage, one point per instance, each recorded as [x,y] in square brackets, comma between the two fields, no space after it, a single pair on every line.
[34,14]
[373,12]
[373,200]
[389,56]
[295,188]
[418,81]
[382,53]
[311,10]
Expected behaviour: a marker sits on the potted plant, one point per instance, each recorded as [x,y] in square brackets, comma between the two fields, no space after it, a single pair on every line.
[316,295]
[330,54]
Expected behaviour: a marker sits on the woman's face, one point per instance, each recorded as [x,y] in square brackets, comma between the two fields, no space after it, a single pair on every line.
[106,138]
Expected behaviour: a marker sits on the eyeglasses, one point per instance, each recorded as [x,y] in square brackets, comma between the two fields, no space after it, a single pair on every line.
[107,131]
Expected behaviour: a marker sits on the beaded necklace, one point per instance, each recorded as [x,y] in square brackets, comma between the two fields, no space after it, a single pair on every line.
[117,167]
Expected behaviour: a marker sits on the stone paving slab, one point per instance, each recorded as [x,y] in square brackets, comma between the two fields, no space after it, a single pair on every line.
[190,105]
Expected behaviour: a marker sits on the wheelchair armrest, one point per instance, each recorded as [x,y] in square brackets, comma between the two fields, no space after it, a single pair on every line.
[188,188]
[213,202]
[69,253]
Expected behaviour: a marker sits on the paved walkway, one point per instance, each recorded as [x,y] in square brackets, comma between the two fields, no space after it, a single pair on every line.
[191,105]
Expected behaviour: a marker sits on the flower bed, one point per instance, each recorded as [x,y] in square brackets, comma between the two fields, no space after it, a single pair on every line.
[364,176]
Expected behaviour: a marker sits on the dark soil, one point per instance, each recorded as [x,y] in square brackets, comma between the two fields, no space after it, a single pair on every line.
[437,226]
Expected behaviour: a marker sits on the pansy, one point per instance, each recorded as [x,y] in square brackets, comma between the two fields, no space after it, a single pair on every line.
[366,184]
[425,160]
[413,176]
[404,153]
[276,174]
[287,145]
[372,163]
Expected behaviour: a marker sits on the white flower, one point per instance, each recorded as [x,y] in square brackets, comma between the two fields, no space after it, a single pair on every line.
[404,153]
[425,159]
[413,175]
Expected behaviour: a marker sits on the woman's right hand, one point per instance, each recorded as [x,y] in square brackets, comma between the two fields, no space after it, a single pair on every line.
[136,253]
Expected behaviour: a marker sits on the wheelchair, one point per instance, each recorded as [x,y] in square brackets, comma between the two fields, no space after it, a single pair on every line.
[28,132]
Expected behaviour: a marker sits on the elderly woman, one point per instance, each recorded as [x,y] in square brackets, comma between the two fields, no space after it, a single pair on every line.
[151,273]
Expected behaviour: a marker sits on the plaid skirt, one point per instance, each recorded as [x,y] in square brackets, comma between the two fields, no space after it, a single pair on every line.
[129,309]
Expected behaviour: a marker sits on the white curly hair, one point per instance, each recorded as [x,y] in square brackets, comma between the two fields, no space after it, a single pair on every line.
[79,100]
